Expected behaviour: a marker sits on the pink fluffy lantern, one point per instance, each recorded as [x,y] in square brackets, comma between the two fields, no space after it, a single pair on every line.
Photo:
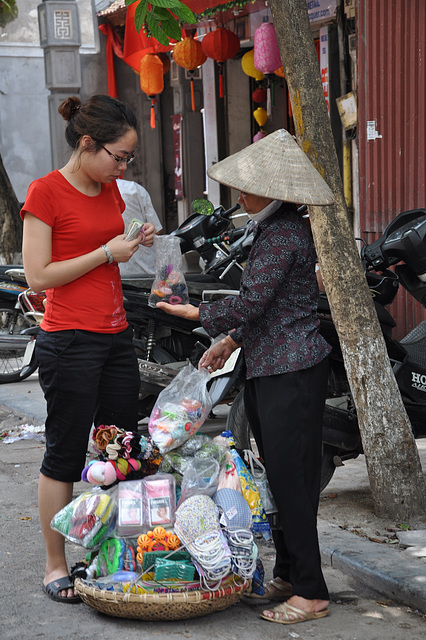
[266,55]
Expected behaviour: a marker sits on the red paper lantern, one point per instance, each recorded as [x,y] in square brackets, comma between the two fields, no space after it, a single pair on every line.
[151,79]
[259,95]
[189,54]
[220,45]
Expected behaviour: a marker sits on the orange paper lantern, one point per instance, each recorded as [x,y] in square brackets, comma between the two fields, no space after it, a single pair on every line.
[189,54]
[220,45]
[151,79]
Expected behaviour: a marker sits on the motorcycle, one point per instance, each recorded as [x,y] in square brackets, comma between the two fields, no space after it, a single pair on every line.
[165,343]
[403,243]
[21,311]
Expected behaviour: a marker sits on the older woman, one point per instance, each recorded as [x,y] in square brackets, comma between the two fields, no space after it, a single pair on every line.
[275,321]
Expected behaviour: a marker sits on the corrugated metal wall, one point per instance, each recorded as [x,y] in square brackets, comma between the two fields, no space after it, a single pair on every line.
[391,47]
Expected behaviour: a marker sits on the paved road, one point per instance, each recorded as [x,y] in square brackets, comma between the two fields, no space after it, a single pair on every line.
[26,613]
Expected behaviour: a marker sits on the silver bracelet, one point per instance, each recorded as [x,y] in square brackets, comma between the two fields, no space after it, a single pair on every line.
[108,253]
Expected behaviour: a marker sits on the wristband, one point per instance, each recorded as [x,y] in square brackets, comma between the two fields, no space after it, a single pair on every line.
[108,253]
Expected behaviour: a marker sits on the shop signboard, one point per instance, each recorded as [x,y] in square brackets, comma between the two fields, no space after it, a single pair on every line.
[321,10]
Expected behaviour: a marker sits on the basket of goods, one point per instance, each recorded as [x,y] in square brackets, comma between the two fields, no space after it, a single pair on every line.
[168,522]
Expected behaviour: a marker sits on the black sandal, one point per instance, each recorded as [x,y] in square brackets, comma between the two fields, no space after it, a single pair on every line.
[53,588]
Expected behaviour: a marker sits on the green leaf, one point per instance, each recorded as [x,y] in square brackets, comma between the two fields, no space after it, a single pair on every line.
[172,28]
[140,14]
[185,14]
[157,31]
[128,2]
[160,14]
[167,4]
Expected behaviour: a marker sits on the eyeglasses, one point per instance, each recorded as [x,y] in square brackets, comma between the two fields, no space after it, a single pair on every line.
[118,159]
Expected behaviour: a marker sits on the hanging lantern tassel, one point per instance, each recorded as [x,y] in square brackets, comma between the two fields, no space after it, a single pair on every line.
[221,91]
[192,89]
[153,102]
[268,97]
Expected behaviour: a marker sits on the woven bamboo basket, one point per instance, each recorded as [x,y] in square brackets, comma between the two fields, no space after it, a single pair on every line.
[159,606]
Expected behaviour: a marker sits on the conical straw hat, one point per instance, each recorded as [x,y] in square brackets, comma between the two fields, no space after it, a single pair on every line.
[274,167]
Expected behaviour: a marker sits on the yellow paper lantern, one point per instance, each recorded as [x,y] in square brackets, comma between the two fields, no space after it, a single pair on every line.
[247,63]
[260,115]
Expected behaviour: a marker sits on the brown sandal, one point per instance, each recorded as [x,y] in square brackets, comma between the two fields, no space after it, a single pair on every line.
[274,590]
[287,614]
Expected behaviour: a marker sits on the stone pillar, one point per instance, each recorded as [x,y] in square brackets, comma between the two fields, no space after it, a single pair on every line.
[60,38]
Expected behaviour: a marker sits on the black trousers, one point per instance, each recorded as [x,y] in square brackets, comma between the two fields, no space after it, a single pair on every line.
[285,414]
[87,378]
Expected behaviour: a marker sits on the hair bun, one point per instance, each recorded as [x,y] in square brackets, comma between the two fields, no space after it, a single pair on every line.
[69,107]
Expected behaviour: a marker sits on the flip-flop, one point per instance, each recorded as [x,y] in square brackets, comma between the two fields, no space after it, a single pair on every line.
[274,590]
[53,588]
[287,614]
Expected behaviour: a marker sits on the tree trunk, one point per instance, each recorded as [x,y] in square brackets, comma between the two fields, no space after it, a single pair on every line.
[10,222]
[393,463]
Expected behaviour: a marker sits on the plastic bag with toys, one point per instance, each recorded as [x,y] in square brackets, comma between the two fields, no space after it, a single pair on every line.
[89,519]
[180,409]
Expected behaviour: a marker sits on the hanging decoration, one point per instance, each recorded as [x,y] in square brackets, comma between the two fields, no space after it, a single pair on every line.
[259,95]
[260,115]
[259,135]
[165,59]
[151,79]
[189,54]
[247,63]
[280,72]
[220,45]
[137,44]
[267,56]
[113,45]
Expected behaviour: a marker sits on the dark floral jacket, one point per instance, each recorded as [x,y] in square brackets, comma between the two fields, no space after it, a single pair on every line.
[275,315]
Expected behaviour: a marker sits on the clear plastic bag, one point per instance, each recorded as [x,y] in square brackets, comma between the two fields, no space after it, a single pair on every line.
[180,409]
[201,477]
[258,472]
[89,519]
[169,283]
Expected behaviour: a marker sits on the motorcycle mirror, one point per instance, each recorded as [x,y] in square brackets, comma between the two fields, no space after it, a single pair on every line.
[202,206]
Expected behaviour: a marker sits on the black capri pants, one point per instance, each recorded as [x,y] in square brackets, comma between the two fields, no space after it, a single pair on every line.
[285,414]
[87,378]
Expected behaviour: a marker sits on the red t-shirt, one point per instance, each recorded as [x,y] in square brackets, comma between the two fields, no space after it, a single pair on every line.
[80,224]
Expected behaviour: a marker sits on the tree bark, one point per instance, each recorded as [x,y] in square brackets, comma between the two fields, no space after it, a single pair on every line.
[10,222]
[393,463]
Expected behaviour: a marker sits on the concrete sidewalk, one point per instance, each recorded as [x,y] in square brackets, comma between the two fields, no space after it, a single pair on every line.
[397,574]
[391,572]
